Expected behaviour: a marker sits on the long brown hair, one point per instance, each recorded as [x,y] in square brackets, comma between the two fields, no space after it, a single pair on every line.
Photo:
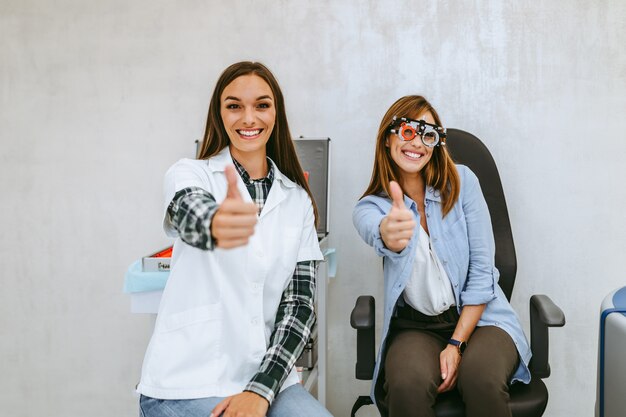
[279,147]
[439,173]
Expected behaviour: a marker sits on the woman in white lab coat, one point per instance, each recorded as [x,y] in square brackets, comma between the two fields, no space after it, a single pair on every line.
[238,306]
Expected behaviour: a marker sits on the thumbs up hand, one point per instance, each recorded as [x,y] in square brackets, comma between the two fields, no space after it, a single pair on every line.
[231,178]
[396,229]
[233,223]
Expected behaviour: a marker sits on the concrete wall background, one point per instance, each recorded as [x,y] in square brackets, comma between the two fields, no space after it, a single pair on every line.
[98,98]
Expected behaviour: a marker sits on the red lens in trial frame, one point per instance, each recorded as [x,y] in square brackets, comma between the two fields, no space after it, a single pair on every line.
[407,132]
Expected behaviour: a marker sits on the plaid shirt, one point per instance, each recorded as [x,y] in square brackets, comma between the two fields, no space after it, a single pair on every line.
[191,212]
[258,189]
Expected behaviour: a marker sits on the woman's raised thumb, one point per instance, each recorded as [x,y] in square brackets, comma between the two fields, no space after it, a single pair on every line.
[231,178]
[396,195]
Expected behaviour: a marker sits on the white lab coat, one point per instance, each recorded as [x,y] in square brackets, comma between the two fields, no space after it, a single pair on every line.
[218,308]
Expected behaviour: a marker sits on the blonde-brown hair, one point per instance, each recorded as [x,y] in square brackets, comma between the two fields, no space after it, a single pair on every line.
[279,147]
[440,171]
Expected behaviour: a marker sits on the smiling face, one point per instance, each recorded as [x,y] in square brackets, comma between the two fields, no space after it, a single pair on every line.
[410,156]
[248,113]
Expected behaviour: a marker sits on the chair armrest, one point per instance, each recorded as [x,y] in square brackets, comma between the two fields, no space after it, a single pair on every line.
[363,316]
[363,320]
[543,314]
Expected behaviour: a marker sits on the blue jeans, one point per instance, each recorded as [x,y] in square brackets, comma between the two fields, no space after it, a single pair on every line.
[294,401]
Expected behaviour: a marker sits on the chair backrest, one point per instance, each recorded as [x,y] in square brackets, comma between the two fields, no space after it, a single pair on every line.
[467,149]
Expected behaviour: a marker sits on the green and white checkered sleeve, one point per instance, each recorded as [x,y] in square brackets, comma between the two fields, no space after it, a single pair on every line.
[191,212]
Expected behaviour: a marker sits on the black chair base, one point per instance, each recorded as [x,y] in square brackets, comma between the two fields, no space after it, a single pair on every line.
[526,401]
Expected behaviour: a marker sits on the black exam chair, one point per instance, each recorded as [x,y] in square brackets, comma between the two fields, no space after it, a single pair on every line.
[526,400]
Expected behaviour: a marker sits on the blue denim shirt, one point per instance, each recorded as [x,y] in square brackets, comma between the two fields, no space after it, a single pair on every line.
[463,241]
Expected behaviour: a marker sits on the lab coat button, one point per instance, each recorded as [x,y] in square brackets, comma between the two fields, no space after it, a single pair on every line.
[259,253]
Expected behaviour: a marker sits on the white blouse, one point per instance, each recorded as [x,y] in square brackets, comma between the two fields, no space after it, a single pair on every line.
[429,290]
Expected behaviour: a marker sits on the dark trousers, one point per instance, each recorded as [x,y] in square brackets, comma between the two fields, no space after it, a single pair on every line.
[412,372]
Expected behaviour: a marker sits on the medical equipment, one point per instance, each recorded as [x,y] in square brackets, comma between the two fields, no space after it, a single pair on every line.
[407,129]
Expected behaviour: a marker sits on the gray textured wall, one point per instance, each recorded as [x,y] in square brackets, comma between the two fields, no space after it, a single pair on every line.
[98,98]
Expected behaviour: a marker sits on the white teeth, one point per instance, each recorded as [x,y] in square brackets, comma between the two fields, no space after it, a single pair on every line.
[249,132]
[412,154]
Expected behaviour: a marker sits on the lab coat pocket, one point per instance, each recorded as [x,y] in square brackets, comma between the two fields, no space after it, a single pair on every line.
[289,246]
[189,317]
[187,349]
